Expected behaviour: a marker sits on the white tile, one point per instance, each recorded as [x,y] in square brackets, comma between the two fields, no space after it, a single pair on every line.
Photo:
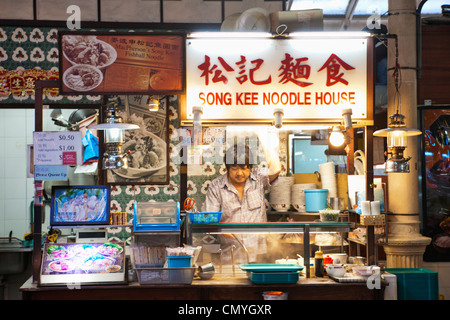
[29,194]
[14,188]
[187,11]
[16,167]
[2,189]
[444,275]
[445,292]
[16,209]
[18,227]
[16,112]
[10,9]
[14,127]
[15,147]
[57,10]
[131,10]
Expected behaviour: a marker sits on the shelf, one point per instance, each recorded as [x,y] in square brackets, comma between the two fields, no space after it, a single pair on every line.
[275,227]
[94,226]
[295,213]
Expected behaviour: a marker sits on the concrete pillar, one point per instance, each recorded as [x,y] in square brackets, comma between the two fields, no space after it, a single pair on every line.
[405,243]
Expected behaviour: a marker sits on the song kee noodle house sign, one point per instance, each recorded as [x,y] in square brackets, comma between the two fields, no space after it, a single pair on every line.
[311,77]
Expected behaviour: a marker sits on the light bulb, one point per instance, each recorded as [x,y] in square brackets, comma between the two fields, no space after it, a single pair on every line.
[337,137]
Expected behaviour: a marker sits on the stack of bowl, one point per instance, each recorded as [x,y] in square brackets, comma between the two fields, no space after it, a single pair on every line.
[298,195]
[280,194]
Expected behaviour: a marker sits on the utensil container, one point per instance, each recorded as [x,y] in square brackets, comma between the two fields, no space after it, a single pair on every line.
[148,275]
[316,199]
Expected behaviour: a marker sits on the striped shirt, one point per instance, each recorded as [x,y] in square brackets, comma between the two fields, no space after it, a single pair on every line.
[223,197]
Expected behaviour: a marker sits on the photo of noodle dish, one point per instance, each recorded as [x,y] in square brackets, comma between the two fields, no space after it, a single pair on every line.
[82,49]
[97,263]
[61,266]
[56,252]
[110,249]
[80,205]
[82,77]
[83,250]
[146,152]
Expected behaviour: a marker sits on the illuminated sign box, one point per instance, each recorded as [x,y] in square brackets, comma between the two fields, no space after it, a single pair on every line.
[312,77]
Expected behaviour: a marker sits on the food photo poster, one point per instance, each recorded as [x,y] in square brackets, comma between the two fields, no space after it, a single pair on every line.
[116,63]
[147,147]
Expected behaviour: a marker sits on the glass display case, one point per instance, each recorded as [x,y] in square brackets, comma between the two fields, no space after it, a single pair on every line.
[73,264]
[231,244]
[150,216]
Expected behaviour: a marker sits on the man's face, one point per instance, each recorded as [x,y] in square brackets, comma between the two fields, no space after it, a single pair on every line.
[238,174]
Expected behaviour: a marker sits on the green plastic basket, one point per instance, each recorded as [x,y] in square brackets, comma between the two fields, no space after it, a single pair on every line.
[416,283]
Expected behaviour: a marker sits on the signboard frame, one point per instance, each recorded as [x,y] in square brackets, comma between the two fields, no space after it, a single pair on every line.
[367,119]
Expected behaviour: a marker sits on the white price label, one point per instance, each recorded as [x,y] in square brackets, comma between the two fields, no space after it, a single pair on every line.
[57,148]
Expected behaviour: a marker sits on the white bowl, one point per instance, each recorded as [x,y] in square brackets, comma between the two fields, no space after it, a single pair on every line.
[300,207]
[338,258]
[135,172]
[105,47]
[336,270]
[288,261]
[365,271]
[73,76]
[280,207]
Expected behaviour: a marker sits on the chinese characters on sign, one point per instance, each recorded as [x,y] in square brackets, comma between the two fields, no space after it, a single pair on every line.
[314,78]
[18,82]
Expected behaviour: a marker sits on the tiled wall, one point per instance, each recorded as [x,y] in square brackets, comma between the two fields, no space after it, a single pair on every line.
[443,270]
[16,190]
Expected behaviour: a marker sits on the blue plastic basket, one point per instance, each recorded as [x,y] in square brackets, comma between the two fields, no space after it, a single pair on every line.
[179,261]
[273,277]
[205,217]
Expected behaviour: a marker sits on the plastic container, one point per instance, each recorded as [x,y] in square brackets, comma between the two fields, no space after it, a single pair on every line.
[416,283]
[156,216]
[275,295]
[179,261]
[205,217]
[273,277]
[164,275]
[316,199]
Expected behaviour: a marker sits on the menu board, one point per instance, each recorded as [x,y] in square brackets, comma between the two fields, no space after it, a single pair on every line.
[81,263]
[57,148]
[121,63]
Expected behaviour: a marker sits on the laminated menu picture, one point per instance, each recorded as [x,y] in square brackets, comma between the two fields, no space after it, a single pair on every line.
[83,262]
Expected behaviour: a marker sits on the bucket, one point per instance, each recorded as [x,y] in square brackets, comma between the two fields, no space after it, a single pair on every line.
[316,199]
[179,261]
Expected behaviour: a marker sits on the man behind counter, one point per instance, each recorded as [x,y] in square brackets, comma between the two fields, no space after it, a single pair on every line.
[239,195]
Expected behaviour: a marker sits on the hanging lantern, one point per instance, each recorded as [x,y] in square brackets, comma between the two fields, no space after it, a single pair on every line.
[114,136]
[397,135]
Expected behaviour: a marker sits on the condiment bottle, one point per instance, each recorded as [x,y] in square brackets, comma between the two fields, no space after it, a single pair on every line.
[318,261]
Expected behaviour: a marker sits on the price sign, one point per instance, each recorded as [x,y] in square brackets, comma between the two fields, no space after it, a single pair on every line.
[57,148]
